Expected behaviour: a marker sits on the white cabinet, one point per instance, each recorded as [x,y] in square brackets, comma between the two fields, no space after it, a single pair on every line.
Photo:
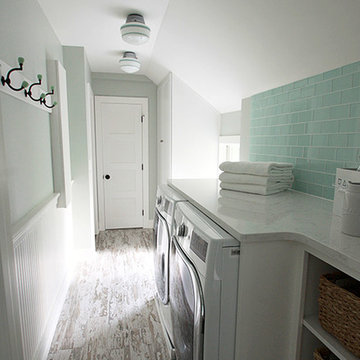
[188,133]
[312,335]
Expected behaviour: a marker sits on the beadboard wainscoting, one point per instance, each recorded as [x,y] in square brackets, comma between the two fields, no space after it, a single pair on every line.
[42,246]
[313,123]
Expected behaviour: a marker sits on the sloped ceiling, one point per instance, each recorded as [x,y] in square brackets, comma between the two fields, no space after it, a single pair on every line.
[225,50]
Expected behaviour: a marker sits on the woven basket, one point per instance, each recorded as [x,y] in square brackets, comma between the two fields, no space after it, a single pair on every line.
[321,353]
[339,309]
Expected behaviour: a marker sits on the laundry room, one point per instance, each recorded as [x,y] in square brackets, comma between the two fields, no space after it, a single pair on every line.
[179,180]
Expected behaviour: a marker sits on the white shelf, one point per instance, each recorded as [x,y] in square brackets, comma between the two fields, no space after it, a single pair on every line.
[313,325]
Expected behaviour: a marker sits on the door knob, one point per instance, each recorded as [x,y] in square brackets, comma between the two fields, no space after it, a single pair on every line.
[107,176]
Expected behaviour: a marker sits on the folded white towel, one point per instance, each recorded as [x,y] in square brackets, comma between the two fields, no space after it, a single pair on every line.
[254,199]
[255,189]
[256,168]
[256,179]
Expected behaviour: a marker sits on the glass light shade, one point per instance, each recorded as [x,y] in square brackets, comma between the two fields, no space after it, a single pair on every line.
[134,31]
[129,63]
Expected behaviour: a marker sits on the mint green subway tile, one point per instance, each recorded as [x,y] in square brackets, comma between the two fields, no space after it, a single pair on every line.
[297,129]
[302,163]
[316,102]
[315,79]
[316,165]
[270,101]
[282,140]
[314,127]
[300,105]
[296,151]
[285,108]
[288,87]
[295,117]
[346,154]
[295,94]
[285,129]
[329,127]
[351,164]
[351,68]
[300,186]
[300,83]
[332,73]
[356,79]
[341,83]
[308,91]
[304,140]
[323,88]
[320,140]
[351,95]
[339,112]
[349,125]
[328,192]
[355,110]
[306,149]
[292,140]
[322,114]
[353,140]
[327,153]
[332,99]
[276,91]
[314,189]
[331,166]
[338,140]
[328,180]
[305,116]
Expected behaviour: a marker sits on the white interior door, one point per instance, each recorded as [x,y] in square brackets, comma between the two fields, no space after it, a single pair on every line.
[120,156]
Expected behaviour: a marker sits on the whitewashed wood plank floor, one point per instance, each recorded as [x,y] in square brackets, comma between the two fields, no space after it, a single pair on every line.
[110,311]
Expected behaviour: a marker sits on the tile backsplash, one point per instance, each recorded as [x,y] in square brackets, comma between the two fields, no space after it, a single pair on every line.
[313,123]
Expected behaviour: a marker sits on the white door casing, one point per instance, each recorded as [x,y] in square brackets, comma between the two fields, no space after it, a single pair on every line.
[122,154]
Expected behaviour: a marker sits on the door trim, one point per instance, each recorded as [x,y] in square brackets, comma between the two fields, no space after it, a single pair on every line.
[145,155]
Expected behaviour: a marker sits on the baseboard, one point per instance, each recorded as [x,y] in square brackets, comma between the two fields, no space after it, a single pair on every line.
[149,223]
[43,348]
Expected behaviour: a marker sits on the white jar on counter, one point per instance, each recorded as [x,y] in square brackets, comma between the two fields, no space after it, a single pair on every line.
[351,210]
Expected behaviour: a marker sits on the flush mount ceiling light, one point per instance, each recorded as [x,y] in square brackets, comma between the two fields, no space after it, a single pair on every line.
[129,62]
[134,31]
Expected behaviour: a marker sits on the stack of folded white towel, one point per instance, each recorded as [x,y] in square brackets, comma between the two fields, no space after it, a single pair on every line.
[262,178]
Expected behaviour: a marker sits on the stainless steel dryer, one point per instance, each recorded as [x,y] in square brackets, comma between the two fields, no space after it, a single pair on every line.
[204,265]
[166,198]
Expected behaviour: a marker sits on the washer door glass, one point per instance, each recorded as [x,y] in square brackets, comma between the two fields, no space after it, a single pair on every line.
[161,257]
[186,304]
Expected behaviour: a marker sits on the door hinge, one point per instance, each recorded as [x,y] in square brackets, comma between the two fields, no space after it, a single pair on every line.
[142,212]
[142,166]
[142,118]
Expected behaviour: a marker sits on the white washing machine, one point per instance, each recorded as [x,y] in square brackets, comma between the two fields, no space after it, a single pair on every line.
[166,198]
[204,265]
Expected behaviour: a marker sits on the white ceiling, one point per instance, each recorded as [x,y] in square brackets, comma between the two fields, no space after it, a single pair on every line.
[225,50]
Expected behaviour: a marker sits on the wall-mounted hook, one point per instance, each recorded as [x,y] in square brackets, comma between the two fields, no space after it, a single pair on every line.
[29,92]
[7,80]
[43,101]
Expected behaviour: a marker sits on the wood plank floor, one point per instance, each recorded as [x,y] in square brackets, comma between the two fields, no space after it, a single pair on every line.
[110,311]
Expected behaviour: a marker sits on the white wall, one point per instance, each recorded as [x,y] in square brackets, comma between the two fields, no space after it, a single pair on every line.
[27,178]
[78,75]
[195,134]
[230,123]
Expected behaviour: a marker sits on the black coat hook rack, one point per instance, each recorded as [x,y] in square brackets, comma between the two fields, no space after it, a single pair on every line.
[32,94]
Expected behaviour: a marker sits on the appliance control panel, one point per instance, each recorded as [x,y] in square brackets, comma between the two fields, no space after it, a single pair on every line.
[198,246]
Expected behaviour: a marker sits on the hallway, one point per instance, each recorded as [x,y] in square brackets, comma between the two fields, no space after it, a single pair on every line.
[110,312]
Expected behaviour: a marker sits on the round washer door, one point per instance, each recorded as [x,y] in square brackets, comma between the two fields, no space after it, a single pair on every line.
[161,257]
[186,304]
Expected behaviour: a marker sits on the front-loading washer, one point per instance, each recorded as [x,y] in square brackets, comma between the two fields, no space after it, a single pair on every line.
[166,198]
[204,265]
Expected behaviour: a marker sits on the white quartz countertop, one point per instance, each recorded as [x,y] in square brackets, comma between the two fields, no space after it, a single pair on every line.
[289,215]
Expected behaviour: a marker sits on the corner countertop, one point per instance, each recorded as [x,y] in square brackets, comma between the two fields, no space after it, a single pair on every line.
[288,215]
